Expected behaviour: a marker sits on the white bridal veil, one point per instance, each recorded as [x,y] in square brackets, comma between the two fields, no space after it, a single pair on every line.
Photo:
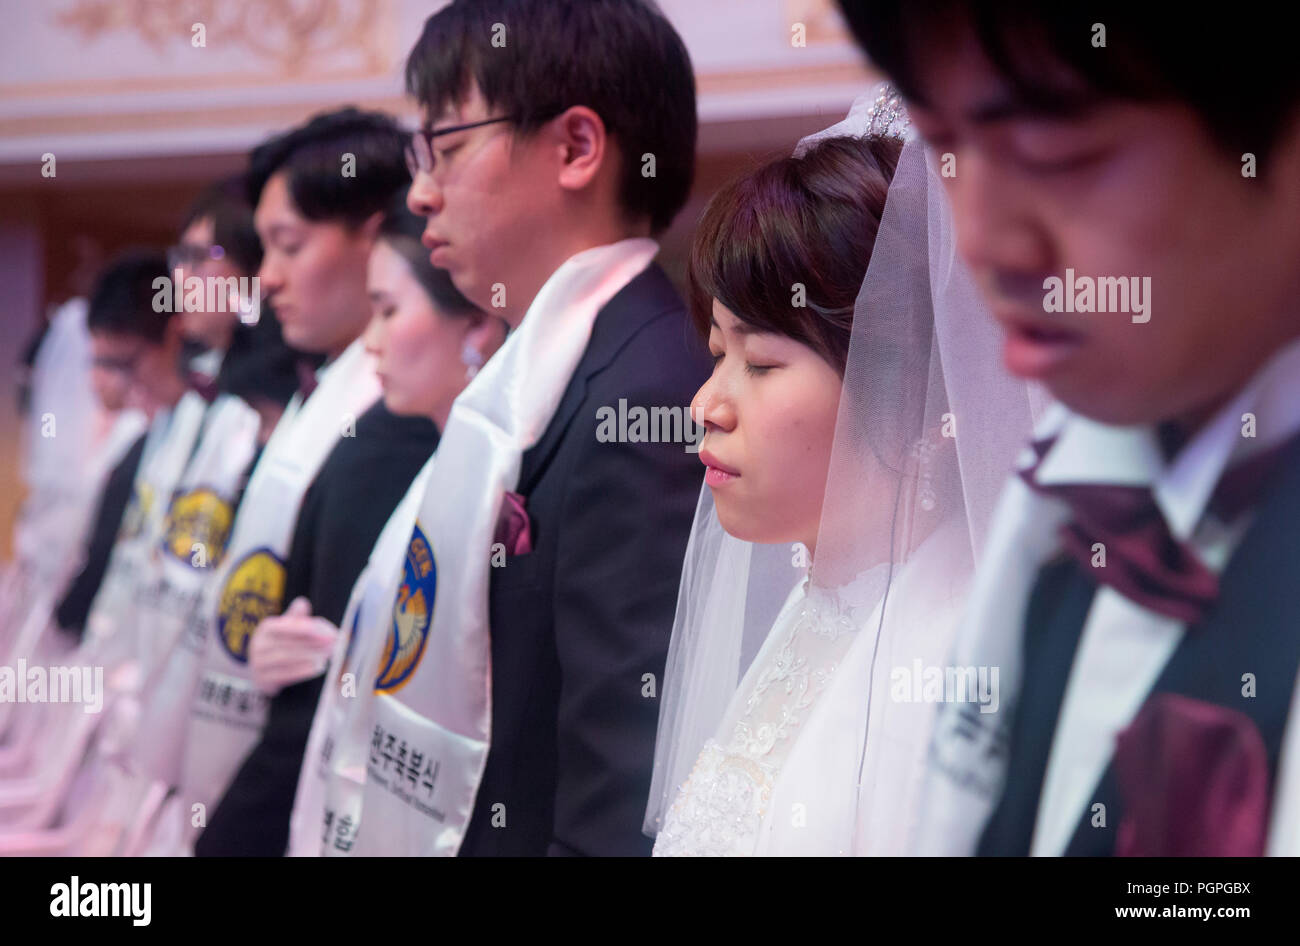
[928,427]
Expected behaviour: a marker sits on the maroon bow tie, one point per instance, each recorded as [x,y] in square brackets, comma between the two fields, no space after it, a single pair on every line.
[1144,562]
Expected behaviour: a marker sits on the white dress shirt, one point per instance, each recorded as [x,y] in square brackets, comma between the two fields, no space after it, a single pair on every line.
[1124,647]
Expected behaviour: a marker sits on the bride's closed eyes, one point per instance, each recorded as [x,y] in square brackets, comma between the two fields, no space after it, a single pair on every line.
[754,347]
[750,367]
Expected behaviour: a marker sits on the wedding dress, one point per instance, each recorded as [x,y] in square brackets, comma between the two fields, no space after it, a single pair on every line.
[815,744]
[727,797]
[805,703]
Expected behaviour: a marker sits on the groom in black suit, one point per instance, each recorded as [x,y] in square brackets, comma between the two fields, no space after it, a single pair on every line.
[1157,636]
[551,128]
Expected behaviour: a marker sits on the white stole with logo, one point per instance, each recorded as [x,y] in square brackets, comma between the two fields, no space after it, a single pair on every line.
[228,712]
[112,622]
[180,565]
[327,807]
[428,732]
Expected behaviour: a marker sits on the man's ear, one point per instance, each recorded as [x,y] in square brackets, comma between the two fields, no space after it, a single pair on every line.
[584,146]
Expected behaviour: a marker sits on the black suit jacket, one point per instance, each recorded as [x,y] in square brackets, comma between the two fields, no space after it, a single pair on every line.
[1251,627]
[579,622]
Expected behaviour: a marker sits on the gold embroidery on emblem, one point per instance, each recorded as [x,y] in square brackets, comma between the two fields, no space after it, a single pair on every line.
[254,590]
[199,518]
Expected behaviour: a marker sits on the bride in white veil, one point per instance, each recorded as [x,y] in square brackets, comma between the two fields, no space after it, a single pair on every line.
[801,685]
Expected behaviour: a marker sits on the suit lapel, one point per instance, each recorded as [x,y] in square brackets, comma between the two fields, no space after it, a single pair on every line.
[647,295]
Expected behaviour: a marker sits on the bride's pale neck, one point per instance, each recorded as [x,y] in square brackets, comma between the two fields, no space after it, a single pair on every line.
[850,557]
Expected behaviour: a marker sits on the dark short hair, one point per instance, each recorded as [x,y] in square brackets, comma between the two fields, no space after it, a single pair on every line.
[401,230]
[122,301]
[1237,72]
[226,204]
[808,220]
[312,156]
[259,364]
[620,58]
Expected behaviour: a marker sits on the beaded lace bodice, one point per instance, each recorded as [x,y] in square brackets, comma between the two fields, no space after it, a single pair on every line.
[723,804]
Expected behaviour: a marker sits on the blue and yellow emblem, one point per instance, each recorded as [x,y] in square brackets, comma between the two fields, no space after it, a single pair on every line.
[197,519]
[412,616]
[254,590]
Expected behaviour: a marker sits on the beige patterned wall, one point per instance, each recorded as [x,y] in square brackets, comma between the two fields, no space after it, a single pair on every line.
[140,107]
[106,78]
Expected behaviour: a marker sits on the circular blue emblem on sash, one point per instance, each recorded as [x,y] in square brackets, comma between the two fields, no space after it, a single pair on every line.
[412,616]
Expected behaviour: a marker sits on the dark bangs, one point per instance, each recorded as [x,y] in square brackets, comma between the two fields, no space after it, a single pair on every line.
[805,222]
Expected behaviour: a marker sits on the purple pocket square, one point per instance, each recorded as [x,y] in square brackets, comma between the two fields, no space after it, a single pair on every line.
[513,530]
[1194,780]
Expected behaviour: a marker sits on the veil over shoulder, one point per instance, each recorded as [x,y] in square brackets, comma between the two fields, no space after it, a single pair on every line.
[839,650]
